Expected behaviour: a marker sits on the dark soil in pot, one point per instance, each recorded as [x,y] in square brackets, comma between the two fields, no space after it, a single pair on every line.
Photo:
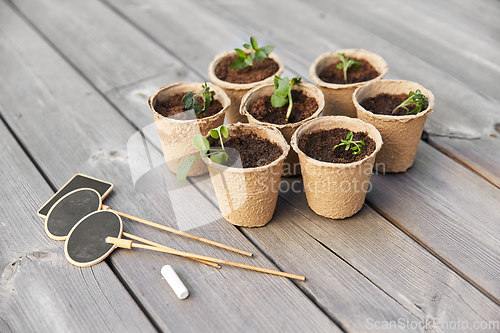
[173,107]
[385,104]
[303,107]
[365,72]
[319,145]
[259,71]
[253,150]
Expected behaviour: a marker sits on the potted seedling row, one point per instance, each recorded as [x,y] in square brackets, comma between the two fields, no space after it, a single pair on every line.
[284,105]
[182,110]
[245,163]
[339,73]
[398,109]
[238,71]
[336,155]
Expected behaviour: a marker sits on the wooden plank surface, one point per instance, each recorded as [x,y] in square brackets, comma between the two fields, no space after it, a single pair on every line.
[91,137]
[39,290]
[287,32]
[463,121]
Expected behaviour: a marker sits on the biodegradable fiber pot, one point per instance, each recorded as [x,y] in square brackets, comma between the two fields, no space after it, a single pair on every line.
[247,196]
[291,166]
[235,91]
[336,190]
[401,134]
[338,97]
[176,136]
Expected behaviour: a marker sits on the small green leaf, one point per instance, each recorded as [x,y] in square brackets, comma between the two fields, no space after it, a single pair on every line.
[278,101]
[186,97]
[260,55]
[267,50]
[220,158]
[248,61]
[340,65]
[247,46]
[349,136]
[214,133]
[224,131]
[362,142]
[342,57]
[238,63]
[201,143]
[283,87]
[277,81]
[240,53]
[255,46]
[183,169]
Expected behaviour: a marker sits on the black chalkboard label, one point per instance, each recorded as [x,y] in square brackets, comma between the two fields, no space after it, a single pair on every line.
[69,210]
[78,181]
[86,243]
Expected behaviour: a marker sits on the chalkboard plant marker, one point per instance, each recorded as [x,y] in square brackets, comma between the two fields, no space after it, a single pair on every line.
[291,166]
[336,190]
[338,96]
[401,133]
[247,196]
[70,209]
[176,135]
[262,56]
[77,181]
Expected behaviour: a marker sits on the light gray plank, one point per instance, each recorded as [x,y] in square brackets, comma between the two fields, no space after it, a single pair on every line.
[85,30]
[39,290]
[301,32]
[82,132]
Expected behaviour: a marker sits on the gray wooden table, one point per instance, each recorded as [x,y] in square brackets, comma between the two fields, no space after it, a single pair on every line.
[74,78]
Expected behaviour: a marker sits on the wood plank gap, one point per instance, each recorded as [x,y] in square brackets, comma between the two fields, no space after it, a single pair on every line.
[132,294]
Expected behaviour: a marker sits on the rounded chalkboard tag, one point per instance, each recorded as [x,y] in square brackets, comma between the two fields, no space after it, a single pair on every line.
[70,209]
[86,243]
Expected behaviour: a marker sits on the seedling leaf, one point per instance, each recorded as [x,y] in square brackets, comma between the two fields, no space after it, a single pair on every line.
[183,169]
[356,145]
[414,98]
[192,104]
[201,143]
[246,59]
[220,157]
[346,63]
[283,93]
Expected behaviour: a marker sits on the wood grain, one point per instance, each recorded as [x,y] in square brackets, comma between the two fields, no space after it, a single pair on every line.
[84,133]
[39,290]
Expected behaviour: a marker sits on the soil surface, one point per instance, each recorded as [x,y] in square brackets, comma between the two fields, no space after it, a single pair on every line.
[303,107]
[259,71]
[365,72]
[253,150]
[173,107]
[319,145]
[385,103]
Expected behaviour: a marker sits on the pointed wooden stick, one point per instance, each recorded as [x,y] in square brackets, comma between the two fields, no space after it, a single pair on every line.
[128,244]
[178,232]
[145,241]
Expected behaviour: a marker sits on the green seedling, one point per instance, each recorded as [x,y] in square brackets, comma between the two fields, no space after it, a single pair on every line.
[192,104]
[416,98]
[346,63]
[256,53]
[283,93]
[218,155]
[355,146]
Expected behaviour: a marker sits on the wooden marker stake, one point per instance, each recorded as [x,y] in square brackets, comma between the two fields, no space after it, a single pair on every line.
[178,232]
[128,244]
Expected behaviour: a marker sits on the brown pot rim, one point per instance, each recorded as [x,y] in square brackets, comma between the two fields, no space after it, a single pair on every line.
[314,75]
[241,86]
[320,98]
[305,127]
[220,95]
[283,145]
[388,118]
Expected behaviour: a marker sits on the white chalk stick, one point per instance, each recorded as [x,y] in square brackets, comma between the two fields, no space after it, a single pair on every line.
[174,282]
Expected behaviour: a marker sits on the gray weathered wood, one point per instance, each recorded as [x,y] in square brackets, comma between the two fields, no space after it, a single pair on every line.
[39,290]
[108,65]
[67,127]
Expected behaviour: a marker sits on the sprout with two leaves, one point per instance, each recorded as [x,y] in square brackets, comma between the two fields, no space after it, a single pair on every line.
[218,155]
